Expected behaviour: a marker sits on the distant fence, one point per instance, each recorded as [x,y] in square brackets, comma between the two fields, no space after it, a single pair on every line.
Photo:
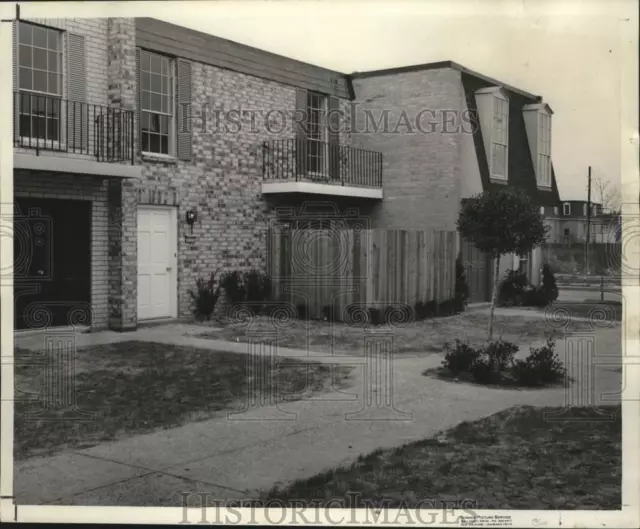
[338,269]
[604,258]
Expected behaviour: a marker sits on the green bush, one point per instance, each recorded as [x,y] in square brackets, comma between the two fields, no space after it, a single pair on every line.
[459,358]
[513,287]
[257,289]
[499,354]
[541,367]
[205,297]
[548,289]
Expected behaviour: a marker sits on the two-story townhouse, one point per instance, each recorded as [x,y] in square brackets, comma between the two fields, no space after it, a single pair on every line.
[228,139]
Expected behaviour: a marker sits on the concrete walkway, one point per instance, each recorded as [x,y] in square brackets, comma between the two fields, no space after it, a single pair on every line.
[237,456]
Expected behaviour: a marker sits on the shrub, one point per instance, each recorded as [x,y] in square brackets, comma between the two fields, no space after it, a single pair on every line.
[205,297]
[548,289]
[233,285]
[460,358]
[462,289]
[500,354]
[483,372]
[513,288]
[303,311]
[542,366]
[257,288]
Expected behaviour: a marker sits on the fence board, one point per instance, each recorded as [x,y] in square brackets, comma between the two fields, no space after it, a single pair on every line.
[373,268]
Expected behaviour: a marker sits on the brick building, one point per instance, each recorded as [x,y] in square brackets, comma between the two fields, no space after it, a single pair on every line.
[123,127]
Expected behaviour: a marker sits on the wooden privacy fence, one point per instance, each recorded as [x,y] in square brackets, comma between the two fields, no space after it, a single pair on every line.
[342,268]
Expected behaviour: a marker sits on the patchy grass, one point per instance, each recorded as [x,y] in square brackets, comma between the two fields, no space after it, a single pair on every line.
[422,337]
[516,459]
[127,388]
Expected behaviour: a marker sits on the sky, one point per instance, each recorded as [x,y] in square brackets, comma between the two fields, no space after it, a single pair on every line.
[569,52]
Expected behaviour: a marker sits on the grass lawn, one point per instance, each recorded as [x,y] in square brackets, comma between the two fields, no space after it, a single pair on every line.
[426,336]
[516,459]
[135,387]
[610,311]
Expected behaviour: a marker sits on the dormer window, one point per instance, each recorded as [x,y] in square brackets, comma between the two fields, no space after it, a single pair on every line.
[566,209]
[493,112]
[538,124]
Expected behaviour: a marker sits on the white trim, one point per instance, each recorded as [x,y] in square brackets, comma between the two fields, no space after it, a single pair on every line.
[69,164]
[321,189]
[173,244]
[566,209]
[499,96]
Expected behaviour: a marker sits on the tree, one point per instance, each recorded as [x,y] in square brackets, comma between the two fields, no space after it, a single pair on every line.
[609,195]
[500,223]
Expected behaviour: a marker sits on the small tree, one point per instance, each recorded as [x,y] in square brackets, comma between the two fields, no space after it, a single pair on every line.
[499,223]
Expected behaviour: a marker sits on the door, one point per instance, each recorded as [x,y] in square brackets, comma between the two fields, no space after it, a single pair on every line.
[477,266]
[157,252]
[52,262]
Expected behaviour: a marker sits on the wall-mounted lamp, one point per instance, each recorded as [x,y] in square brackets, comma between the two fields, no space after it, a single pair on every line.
[192,216]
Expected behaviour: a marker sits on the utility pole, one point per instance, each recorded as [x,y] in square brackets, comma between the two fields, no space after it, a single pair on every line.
[588,223]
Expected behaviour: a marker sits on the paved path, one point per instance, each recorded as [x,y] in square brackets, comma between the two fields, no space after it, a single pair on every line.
[236,457]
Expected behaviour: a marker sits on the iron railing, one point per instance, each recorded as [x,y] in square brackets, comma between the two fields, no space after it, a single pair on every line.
[317,161]
[47,123]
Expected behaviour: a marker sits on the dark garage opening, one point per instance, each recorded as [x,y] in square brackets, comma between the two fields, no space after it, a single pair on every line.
[52,262]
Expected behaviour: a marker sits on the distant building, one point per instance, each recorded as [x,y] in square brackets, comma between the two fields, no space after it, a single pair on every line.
[568,223]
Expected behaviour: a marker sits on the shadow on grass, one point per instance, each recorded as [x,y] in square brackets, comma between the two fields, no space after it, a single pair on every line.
[505,380]
[521,458]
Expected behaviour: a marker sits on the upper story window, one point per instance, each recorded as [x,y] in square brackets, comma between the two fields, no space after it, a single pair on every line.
[39,81]
[544,149]
[316,128]
[500,138]
[566,209]
[156,103]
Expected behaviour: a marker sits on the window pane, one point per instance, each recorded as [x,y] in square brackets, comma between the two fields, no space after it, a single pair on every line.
[53,62]
[39,127]
[53,108]
[155,62]
[144,121]
[144,81]
[39,37]
[144,100]
[38,104]
[154,122]
[25,125]
[26,80]
[156,102]
[53,40]
[25,32]
[498,165]
[52,129]
[145,142]
[154,143]
[39,59]
[39,81]
[25,55]
[165,85]
[164,124]
[164,144]
[156,83]
[53,83]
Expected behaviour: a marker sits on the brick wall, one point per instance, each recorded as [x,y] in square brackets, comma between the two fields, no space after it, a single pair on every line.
[421,171]
[223,180]
[72,187]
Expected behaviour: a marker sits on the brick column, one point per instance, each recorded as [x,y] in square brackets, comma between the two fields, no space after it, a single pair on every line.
[123,269]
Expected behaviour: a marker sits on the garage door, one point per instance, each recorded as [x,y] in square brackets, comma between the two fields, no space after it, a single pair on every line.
[157,247]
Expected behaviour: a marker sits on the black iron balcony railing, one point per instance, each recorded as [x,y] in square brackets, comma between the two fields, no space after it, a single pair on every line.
[47,123]
[318,161]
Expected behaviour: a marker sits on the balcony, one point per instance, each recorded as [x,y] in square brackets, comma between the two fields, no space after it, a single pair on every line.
[55,134]
[316,167]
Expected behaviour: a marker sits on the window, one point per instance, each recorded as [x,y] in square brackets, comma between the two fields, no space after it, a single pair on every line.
[499,138]
[316,133]
[40,81]
[556,210]
[156,103]
[544,149]
[523,265]
[566,209]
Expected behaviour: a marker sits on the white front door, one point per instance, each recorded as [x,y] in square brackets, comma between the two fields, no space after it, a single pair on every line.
[157,247]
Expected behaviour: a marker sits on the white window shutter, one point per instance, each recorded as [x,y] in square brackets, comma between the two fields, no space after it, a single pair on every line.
[76,108]
[183,111]
[16,97]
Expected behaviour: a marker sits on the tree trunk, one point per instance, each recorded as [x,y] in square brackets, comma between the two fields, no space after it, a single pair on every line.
[494,296]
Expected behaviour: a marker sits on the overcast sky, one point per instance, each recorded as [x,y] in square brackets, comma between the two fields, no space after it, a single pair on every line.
[566,51]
